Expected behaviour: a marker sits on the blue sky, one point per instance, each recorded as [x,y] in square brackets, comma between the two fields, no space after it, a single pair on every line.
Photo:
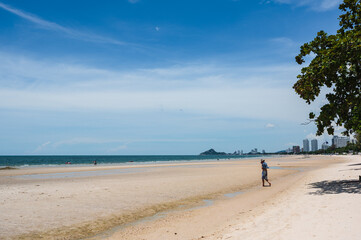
[155,77]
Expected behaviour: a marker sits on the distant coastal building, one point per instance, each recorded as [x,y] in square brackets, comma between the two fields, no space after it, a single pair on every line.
[339,142]
[314,145]
[296,149]
[306,145]
[325,146]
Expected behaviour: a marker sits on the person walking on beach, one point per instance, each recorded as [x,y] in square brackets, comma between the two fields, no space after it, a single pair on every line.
[264,172]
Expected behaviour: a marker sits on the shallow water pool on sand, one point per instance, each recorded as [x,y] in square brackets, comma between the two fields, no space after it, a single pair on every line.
[231,195]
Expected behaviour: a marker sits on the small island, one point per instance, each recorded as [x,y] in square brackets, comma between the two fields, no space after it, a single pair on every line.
[212,152]
[235,153]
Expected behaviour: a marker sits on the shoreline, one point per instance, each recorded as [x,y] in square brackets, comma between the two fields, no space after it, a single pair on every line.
[128,160]
[63,168]
[156,190]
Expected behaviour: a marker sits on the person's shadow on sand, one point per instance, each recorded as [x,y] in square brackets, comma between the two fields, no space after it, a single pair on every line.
[336,187]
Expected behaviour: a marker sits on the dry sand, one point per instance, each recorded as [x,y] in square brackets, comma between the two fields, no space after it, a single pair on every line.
[120,202]
[323,205]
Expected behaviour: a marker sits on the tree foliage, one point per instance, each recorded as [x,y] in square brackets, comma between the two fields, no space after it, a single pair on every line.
[337,66]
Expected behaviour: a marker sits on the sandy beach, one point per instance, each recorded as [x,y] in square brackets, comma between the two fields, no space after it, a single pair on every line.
[324,204]
[207,200]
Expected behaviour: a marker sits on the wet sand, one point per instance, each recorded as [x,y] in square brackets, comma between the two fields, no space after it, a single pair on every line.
[168,201]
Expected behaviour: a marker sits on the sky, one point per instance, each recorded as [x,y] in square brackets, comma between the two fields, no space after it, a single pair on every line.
[142,77]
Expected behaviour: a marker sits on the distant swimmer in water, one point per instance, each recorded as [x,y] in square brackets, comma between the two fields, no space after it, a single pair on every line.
[264,172]
[68,163]
[95,162]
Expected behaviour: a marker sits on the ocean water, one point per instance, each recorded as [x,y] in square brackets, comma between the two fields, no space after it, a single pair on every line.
[24,161]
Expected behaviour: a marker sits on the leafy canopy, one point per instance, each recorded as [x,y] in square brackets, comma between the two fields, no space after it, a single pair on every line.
[336,65]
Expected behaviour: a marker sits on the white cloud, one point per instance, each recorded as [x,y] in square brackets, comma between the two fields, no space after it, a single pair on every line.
[339,130]
[320,139]
[73,33]
[328,4]
[325,137]
[157,28]
[317,5]
[270,125]
[120,144]
[207,89]
[222,101]
[41,147]
[284,41]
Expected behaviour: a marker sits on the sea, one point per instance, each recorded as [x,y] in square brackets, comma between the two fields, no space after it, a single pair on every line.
[45,161]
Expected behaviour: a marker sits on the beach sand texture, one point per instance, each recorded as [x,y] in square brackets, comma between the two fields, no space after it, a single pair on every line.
[116,202]
[324,204]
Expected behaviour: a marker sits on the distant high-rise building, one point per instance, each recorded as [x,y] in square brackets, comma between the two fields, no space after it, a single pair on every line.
[339,142]
[314,145]
[306,145]
[296,149]
[289,150]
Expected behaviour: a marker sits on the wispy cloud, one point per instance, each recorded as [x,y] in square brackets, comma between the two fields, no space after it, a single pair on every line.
[321,139]
[270,125]
[241,103]
[83,140]
[41,147]
[327,138]
[113,145]
[284,41]
[317,5]
[72,33]
[261,92]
